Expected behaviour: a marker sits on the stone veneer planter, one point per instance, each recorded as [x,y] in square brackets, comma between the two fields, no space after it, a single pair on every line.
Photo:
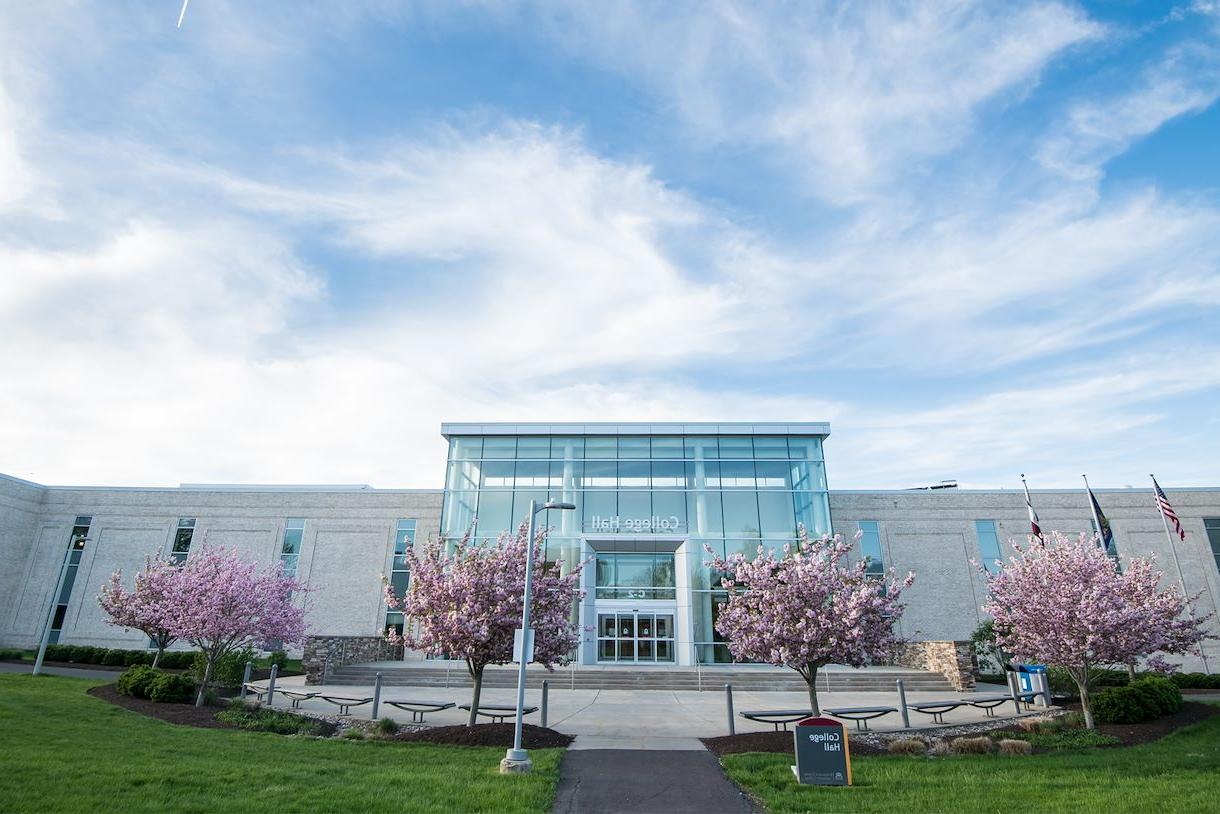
[954,660]
[325,653]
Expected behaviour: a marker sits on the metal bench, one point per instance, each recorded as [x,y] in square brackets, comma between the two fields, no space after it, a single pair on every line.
[776,717]
[937,709]
[498,712]
[296,696]
[345,703]
[861,715]
[418,708]
[256,690]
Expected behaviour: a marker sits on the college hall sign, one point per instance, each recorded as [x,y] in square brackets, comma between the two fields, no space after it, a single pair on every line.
[614,522]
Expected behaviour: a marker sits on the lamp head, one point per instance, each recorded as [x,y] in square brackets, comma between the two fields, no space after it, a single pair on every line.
[553,504]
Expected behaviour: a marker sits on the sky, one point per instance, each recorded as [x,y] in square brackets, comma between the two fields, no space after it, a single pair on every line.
[284,242]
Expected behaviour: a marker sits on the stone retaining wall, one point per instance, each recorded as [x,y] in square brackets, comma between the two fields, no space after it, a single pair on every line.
[954,660]
[325,653]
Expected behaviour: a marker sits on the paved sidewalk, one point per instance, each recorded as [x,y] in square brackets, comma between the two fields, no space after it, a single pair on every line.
[609,781]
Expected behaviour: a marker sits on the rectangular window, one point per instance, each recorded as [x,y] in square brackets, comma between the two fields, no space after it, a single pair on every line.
[635,576]
[1212,526]
[76,548]
[870,546]
[400,576]
[183,537]
[290,551]
[990,554]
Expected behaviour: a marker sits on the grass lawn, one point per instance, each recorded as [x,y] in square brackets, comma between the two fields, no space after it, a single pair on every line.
[1180,773]
[62,750]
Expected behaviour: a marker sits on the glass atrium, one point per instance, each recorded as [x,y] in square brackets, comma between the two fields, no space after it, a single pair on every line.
[650,501]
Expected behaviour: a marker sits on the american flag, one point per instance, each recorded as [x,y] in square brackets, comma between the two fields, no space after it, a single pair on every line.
[1162,503]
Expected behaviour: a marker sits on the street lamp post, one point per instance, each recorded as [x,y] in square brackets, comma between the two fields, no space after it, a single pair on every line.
[517,760]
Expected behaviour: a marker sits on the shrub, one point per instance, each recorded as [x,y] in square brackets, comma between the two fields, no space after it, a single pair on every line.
[907,746]
[1123,705]
[970,746]
[387,726]
[115,658]
[10,654]
[939,748]
[1189,681]
[74,654]
[1161,694]
[171,688]
[178,660]
[97,655]
[263,719]
[228,670]
[1009,746]
[136,681]
[279,658]
[132,657]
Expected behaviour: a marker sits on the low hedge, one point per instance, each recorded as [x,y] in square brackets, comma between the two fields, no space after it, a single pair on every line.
[1196,681]
[1143,700]
[172,688]
[76,654]
[137,681]
[10,654]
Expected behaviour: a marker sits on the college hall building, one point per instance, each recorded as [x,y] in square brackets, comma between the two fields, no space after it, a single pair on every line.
[650,499]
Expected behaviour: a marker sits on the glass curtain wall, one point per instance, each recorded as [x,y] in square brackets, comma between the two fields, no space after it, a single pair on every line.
[724,493]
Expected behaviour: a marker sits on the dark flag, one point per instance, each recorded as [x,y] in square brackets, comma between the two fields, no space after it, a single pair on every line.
[1103,525]
[1034,527]
[1166,510]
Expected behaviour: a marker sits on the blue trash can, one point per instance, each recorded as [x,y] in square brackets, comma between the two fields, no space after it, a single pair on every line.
[1026,673]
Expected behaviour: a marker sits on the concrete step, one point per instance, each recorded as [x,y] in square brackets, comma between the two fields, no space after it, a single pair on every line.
[644,679]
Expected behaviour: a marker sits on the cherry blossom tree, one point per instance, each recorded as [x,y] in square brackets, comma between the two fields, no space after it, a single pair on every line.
[1065,602]
[224,603]
[149,606]
[466,604]
[808,607]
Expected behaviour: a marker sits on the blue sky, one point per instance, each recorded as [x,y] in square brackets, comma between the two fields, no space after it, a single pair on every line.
[284,242]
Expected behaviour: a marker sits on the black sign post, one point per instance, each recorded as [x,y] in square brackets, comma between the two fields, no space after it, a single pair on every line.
[823,757]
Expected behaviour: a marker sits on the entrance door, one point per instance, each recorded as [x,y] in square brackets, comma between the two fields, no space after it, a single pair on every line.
[635,637]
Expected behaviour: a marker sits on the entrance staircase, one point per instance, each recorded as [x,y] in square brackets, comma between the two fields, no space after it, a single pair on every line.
[756,679]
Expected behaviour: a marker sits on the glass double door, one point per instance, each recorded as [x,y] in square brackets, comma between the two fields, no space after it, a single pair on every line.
[635,637]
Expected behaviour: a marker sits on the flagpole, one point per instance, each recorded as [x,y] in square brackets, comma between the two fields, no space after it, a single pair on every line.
[1101,536]
[1173,549]
[1029,505]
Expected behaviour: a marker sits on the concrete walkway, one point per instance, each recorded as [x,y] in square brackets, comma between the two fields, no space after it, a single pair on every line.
[609,781]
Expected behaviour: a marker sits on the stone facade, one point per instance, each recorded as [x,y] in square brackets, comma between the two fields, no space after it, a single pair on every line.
[325,653]
[954,660]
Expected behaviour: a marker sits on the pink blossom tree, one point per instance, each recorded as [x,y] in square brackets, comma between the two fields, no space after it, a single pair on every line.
[224,603]
[1064,602]
[467,603]
[149,606]
[808,607]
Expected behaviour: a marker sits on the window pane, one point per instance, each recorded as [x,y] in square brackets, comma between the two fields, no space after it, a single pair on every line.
[770,447]
[633,474]
[599,506]
[737,474]
[499,447]
[813,512]
[663,571]
[989,544]
[776,514]
[463,475]
[668,474]
[870,546]
[702,474]
[533,474]
[399,581]
[567,447]
[773,475]
[808,448]
[634,505]
[605,569]
[667,447]
[667,506]
[534,446]
[292,541]
[495,513]
[567,475]
[497,474]
[601,448]
[459,513]
[808,475]
[740,514]
[736,447]
[633,570]
[633,447]
[697,448]
[601,474]
[521,506]
[465,448]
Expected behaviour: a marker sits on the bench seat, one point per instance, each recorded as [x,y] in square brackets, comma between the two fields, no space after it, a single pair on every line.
[257,690]
[418,708]
[937,709]
[776,717]
[345,703]
[297,696]
[499,712]
[861,715]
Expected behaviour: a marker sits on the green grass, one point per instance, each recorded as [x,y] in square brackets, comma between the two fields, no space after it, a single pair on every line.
[62,750]
[1180,773]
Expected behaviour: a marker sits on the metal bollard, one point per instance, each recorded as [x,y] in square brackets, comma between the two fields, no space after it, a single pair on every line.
[728,699]
[902,705]
[275,670]
[1014,689]
[376,694]
[245,679]
[546,690]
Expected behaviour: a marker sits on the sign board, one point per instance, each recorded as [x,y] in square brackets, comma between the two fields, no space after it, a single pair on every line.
[616,523]
[529,647]
[823,757]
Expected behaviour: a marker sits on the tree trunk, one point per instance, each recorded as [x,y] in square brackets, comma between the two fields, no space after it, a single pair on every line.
[157,658]
[1086,705]
[811,681]
[477,674]
[207,676]
[1130,671]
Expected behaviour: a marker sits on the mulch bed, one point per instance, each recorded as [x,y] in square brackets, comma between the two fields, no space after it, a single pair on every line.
[184,714]
[1132,734]
[532,737]
[772,742]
